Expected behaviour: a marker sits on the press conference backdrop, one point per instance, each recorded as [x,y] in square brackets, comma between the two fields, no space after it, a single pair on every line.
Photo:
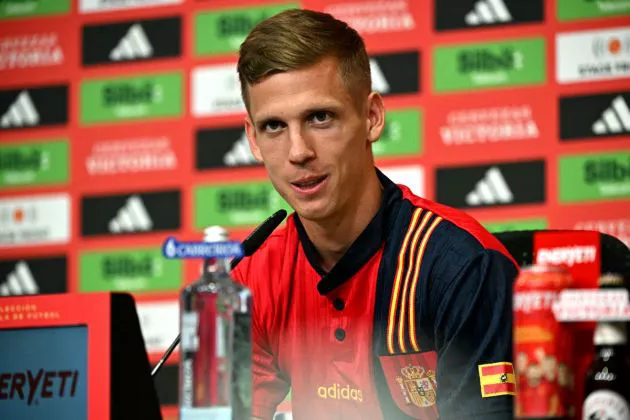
[121,123]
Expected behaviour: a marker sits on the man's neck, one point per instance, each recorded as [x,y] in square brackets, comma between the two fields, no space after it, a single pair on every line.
[332,237]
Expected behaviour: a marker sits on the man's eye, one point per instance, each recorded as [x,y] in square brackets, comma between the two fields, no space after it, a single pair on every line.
[272,126]
[320,117]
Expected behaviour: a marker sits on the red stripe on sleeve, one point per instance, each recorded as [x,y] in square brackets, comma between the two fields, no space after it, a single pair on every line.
[497,388]
[497,369]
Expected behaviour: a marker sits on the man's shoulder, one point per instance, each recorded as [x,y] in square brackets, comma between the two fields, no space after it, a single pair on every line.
[455,230]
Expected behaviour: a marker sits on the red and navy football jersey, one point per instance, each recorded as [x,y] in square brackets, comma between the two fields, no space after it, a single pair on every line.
[414,321]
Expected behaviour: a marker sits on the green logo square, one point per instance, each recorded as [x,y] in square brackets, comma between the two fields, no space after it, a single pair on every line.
[489,65]
[595,177]
[131,98]
[133,270]
[34,163]
[16,9]
[223,31]
[402,135]
[236,205]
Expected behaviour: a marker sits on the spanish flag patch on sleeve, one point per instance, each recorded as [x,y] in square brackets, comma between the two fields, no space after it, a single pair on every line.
[497,379]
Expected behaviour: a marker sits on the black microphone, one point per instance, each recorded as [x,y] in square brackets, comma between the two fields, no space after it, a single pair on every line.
[249,245]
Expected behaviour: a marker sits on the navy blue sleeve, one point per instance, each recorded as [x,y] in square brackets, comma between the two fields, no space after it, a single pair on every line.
[470,305]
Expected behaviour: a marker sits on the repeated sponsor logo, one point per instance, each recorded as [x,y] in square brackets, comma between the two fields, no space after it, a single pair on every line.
[593,55]
[458,14]
[159,323]
[91,6]
[131,156]
[35,220]
[617,227]
[133,270]
[402,134]
[587,9]
[216,91]
[594,177]
[374,17]
[489,65]
[131,98]
[33,276]
[396,73]
[223,31]
[516,225]
[142,212]
[33,163]
[30,51]
[132,41]
[489,125]
[492,185]
[28,8]
[411,175]
[600,115]
[223,147]
[236,204]
[33,107]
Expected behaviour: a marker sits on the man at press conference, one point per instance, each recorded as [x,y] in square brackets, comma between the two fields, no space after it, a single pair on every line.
[372,302]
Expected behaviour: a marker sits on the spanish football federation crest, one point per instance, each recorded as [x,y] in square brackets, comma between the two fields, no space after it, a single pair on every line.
[417,385]
[412,383]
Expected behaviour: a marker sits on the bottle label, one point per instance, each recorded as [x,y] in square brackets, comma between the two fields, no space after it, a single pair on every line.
[605,405]
[190,324]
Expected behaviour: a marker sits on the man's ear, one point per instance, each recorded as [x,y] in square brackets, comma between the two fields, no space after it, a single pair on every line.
[376,116]
[250,131]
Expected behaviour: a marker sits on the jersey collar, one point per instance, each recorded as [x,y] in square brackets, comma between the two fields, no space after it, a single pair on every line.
[366,245]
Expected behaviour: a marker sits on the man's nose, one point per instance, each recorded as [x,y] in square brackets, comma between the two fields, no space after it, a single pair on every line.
[300,147]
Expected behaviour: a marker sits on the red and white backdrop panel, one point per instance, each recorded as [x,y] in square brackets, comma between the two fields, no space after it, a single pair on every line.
[121,124]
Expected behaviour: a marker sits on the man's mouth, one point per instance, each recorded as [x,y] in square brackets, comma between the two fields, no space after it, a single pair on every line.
[308,183]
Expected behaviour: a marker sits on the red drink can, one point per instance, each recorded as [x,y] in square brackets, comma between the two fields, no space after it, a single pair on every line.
[543,347]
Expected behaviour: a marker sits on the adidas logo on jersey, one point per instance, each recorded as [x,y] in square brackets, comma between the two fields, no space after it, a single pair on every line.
[132,217]
[240,153]
[487,12]
[492,189]
[19,282]
[21,113]
[615,119]
[133,45]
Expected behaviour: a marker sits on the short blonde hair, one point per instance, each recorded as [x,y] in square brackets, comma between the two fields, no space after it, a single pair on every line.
[299,38]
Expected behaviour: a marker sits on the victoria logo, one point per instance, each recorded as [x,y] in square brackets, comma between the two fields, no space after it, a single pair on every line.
[372,17]
[132,41]
[223,147]
[128,214]
[500,184]
[589,116]
[33,107]
[33,276]
[33,50]
[458,14]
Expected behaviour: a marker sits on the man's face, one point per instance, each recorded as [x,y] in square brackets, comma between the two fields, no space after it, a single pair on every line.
[314,142]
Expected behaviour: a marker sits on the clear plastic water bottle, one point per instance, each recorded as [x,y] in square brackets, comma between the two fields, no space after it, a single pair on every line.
[216,350]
